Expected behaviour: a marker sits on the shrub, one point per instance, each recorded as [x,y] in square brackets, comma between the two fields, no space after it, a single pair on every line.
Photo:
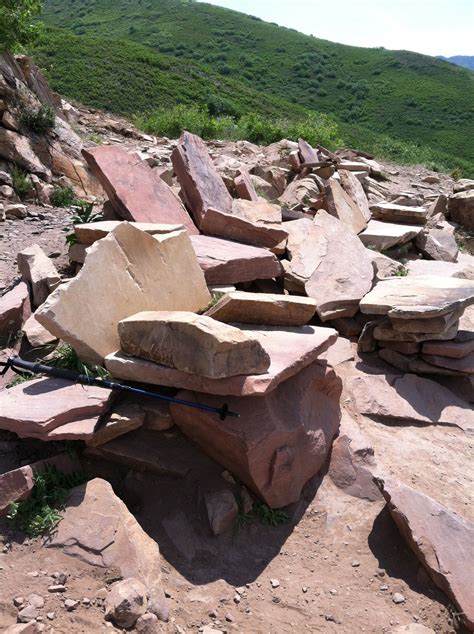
[62,197]
[39,121]
[21,181]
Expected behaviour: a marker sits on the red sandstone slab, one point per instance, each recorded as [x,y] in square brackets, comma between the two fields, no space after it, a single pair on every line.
[35,408]
[15,309]
[201,185]
[290,350]
[228,262]
[244,186]
[464,365]
[135,191]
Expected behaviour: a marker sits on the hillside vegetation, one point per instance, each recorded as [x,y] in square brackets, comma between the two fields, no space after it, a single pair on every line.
[138,56]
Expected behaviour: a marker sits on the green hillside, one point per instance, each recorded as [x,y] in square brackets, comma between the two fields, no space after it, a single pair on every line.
[132,56]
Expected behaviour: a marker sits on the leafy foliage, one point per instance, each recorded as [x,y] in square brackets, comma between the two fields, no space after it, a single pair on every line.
[21,181]
[62,197]
[41,511]
[83,213]
[16,22]
[176,52]
[39,121]
[263,513]
[65,357]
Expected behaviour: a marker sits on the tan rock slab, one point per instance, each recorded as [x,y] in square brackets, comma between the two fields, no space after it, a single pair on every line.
[124,418]
[228,262]
[244,186]
[298,192]
[135,191]
[98,529]
[461,208]
[386,235]
[16,148]
[35,408]
[463,365]
[201,185]
[462,269]
[281,439]
[35,333]
[455,349]
[233,227]
[438,244]
[38,271]
[435,325]
[442,540]
[412,363]
[385,332]
[263,308]
[391,212]
[14,310]
[410,399]
[336,278]
[261,212]
[353,188]
[340,205]
[192,343]
[307,153]
[423,296]
[290,350]
[137,272]
[90,232]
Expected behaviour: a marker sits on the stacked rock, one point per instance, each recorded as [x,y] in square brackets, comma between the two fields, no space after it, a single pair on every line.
[428,327]
[287,400]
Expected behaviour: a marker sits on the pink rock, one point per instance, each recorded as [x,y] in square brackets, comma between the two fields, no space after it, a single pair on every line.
[136,192]
[15,309]
[281,439]
[35,408]
[201,185]
[16,485]
[442,540]
[457,348]
[290,350]
[307,153]
[464,365]
[244,186]
[227,262]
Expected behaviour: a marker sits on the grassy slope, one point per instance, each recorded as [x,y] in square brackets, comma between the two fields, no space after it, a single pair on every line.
[154,53]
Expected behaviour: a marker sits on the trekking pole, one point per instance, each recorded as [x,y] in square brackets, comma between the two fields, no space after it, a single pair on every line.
[18,365]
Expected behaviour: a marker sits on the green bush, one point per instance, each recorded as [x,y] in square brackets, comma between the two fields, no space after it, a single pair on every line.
[21,181]
[39,121]
[62,197]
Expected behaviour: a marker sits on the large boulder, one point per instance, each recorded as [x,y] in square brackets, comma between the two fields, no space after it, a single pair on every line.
[461,208]
[127,272]
[135,191]
[192,343]
[228,262]
[38,271]
[263,308]
[331,262]
[281,439]
[98,529]
[16,148]
[201,185]
[290,349]
[442,540]
[386,235]
[391,212]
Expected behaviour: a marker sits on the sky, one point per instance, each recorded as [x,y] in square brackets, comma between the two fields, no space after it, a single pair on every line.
[433,27]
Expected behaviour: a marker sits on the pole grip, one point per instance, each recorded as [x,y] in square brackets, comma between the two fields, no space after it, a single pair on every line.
[60,373]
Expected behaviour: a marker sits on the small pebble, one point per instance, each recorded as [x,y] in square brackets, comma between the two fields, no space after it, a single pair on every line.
[50,615]
[398,598]
[275,583]
[384,587]
[355,563]
[70,604]
[18,601]
[57,588]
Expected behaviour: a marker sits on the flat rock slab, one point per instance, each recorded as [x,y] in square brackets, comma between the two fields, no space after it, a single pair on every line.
[127,272]
[353,188]
[462,269]
[90,232]
[290,350]
[385,235]
[442,540]
[35,333]
[263,308]
[336,278]
[392,212]
[261,212]
[36,408]
[435,325]
[192,343]
[385,332]
[340,205]
[438,244]
[244,186]
[135,191]
[201,185]
[39,272]
[460,347]
[421,296]
[281,439]
[463,365]
[15,309]
[410,399]
[233,227]
[227,262]
[412,363]
[98,529]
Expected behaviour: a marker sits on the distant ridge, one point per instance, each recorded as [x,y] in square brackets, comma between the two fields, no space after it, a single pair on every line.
[466,61]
